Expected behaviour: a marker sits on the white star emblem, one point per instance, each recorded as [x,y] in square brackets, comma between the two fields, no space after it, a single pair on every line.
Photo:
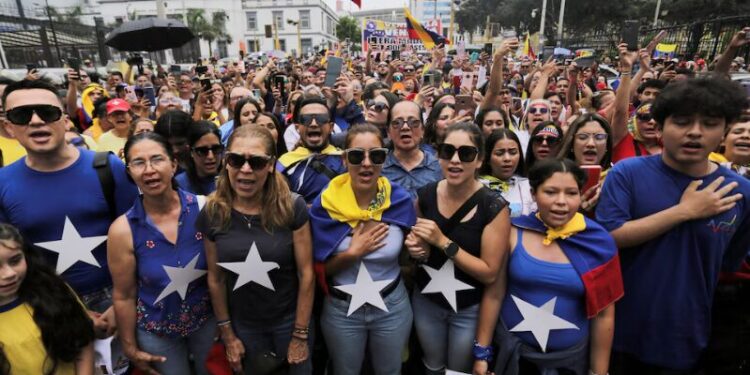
[252,269]
[72,248]
[364,290]
[179,278]
[444,281]
[540,320]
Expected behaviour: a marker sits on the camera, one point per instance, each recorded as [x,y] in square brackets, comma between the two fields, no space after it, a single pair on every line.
[136,59]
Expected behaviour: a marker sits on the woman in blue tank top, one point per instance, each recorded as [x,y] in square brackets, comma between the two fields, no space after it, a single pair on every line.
[555,296]
[158,267]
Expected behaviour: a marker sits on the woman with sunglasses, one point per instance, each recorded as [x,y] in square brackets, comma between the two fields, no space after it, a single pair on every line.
[155,256]
[459,240]
[378,108]
[547,311]
[588,142]
[537,112]
[260,271]
[204,163]
[359,223]
[503,170]
[545,142]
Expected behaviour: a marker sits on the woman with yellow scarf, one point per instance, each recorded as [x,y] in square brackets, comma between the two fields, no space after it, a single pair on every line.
[359,223]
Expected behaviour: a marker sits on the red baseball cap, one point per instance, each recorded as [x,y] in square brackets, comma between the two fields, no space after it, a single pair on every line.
[116,105]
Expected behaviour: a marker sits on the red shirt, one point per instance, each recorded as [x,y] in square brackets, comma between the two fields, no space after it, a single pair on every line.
[628,147]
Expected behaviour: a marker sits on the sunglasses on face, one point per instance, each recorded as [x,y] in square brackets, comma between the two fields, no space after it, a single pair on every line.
[256,162]
[645,117]
[412,123]
[598,137]
[376,106]
[22,115]
[408,70]
[466,154]
[551,141]
[356,155]
[320,119]
[540,110]
[204,150]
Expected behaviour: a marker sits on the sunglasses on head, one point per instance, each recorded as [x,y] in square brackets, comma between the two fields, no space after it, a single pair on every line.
[356,155]
[22,115]
[551,141]
[377,106]
[256,162]
[540,110]
[204,150]
[645,117]
[320,119]
[465,153]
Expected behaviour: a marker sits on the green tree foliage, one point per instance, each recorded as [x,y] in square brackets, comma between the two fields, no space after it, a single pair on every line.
[215,30]
[348,27]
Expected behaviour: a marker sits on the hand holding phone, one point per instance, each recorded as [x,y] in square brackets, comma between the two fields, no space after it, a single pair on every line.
[593,173]
[333,71]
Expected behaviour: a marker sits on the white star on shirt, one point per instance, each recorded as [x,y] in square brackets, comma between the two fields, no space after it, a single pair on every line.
[444,281]
[365,290]
[252,269]
[72,248]
[179,278]
[540,320]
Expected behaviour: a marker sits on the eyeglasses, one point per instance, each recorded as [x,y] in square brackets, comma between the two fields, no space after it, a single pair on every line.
[256,162]
[466,154]
[412,123]
[540,110]
[204,150]
[551,141]
[22,115]
[320,119]
[377,106]
[356,155]
[645,117]
[139,165]
[598,137]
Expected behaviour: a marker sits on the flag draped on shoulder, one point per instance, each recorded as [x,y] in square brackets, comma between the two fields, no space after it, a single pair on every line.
[416,31]
[591,251]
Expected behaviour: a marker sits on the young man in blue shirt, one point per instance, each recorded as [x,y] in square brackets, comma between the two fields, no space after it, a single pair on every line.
[55,197]
[678,220]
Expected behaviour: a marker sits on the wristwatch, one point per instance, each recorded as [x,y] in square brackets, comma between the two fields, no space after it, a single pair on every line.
[450,249]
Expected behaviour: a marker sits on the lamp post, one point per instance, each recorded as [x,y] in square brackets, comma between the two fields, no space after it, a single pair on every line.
[52,28]
[656,14]
[560,24]
[299,35]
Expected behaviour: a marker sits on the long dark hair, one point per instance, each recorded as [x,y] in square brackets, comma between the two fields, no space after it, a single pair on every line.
[496,135]
[530,157]
[238,109]
[430,126]
[566,150]
[65,326]
[195,133]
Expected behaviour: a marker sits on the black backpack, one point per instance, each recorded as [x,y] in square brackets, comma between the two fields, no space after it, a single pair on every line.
[106,180]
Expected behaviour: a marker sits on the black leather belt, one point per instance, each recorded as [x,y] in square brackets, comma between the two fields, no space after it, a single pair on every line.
[347,297]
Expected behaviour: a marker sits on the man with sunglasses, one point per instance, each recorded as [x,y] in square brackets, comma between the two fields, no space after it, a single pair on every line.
[409,164]
[55,197]
[678,220]
[313,164]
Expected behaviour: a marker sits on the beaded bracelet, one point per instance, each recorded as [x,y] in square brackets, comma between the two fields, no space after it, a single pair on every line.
[222,323]
[482,353]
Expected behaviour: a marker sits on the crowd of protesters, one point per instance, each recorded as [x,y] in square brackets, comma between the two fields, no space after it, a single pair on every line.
[483,213]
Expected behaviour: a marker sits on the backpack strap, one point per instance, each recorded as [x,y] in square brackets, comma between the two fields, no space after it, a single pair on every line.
[106,180]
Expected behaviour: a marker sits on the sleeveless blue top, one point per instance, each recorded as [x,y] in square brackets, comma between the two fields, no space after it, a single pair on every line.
[173,299]
[544,298]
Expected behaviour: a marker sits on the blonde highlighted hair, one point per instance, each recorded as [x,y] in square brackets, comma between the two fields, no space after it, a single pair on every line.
[276,199]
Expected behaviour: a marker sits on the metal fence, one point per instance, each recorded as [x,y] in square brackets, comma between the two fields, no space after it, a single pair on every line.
[707,38]
[46,43]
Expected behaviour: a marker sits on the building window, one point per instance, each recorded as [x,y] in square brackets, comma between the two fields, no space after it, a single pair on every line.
[252,45]
[252,20]
[329,25]
[304,19]
[282,44]
[307,46]
[278,18]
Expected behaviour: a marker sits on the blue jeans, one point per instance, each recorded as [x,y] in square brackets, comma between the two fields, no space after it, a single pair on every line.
[177,350]
[446,337]
[260,338]
[386,333]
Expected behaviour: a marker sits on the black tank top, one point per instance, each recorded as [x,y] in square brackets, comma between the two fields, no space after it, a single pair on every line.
[467,235]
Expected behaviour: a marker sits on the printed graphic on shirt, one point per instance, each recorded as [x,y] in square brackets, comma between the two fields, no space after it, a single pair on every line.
[72,248]
[179,278]
[252,269]
[540,320]
[444,281]
[365,290]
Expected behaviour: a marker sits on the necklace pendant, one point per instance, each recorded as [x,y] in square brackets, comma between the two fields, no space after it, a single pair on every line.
[249,226]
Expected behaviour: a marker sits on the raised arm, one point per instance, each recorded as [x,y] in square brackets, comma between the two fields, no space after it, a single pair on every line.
[548,70]
[571,97]
[496,72]
[71,98]
[725,60]
[622,96]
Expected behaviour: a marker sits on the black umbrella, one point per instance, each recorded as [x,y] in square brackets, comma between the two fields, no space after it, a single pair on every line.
[149,34]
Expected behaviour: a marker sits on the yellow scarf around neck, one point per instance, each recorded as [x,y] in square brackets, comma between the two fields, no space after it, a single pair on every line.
[575,225]
[339,200]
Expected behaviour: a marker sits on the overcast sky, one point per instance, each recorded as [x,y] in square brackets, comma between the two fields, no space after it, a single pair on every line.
[370,4]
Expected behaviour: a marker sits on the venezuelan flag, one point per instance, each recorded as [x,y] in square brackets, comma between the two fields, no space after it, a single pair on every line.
[416,31]
[528,50]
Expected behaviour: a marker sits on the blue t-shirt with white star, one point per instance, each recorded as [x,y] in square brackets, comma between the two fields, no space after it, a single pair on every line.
[66,215]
